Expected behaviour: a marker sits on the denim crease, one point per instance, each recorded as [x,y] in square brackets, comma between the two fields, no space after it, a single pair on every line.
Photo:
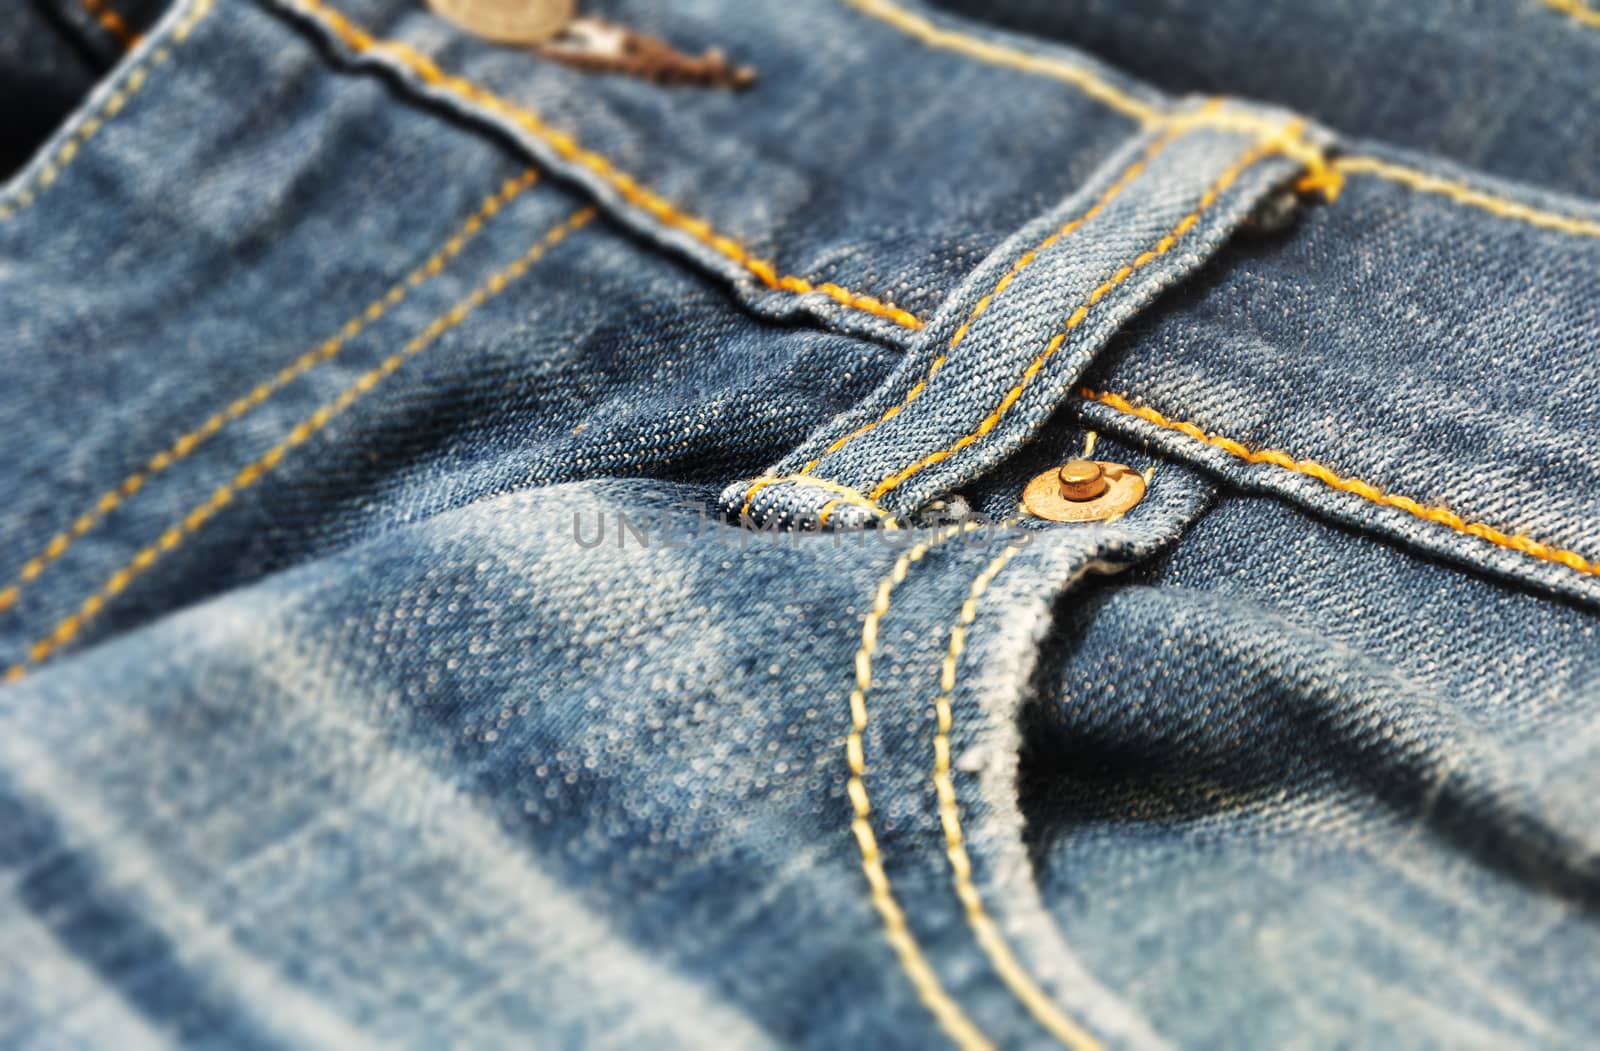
[498,554]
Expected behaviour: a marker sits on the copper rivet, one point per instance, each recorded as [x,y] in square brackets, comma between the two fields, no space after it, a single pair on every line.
[1084,491]
[509,21]
[1081,480]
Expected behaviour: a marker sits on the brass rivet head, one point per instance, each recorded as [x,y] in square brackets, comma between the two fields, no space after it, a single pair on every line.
[509,21]
[1084,491]
[1082,480]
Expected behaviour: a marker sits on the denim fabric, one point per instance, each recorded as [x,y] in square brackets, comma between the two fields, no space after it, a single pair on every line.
[977,384]
[1485,83]
[502,555]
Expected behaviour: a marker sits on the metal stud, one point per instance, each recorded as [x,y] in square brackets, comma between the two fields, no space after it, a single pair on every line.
[1084,491]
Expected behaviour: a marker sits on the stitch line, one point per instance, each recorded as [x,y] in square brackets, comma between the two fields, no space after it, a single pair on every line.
[1016,977]
[1000,55]
[1013,58]
[1160,248]
[112,22]
[1090,84]
[845,493]
[1577,10]
[1344,483]
[326,351]
[826,511]
[113,105]
[932,993]
[1461,193]
[69,627]
[1022,262]
[570,149]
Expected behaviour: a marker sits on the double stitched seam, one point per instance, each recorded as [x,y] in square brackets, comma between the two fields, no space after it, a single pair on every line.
[1161,247]
[1097,88]
[1016,977]
[112,22]
[1206,116]
[113,105]
[932,993]
[1577,10]
[1365,490]
[1025,260]
[187,443]
[568,148]
[844,493]
[68,628]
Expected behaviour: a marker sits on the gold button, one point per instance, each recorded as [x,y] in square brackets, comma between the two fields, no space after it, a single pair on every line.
[509,21]
[1084,491]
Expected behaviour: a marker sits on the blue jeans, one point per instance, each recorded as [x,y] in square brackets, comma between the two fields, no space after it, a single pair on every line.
[499,554]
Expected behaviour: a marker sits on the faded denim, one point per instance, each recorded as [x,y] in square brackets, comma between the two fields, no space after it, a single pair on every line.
[500,555]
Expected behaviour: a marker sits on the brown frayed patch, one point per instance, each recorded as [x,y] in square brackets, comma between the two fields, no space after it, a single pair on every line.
[598,46]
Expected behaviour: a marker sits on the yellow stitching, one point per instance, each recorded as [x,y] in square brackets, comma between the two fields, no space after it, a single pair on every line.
[1011,971]
[1365,490]
[186,444]
[1160,248]
[1464,194]
[68,628]
[113,105]
[826,511]
[933,995]
[846,494]
[568,147]
[112,22]
[996,54]
[1320,178]
[1578,10]
[1323,175]
[1093,86]
[1023,261]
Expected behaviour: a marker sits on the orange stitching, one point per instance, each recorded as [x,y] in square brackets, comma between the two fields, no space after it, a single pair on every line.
[1323,178]
[567,147]
[1090,84]
[846,495]
[1011,971]
[1367,491]
[1577,10]
[112,22]
[995,54]
[1022,263]
[1464,194]
[933,995]
[826,511]
[1161,247]
[114,103]
[186,444]
[69,627]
